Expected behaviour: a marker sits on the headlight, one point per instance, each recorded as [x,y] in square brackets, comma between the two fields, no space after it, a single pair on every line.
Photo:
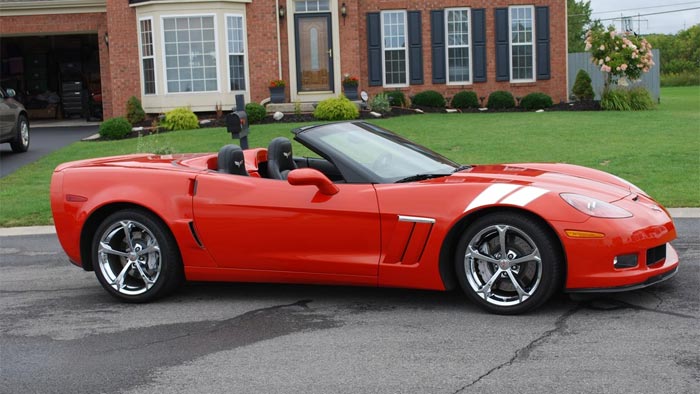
[594,207]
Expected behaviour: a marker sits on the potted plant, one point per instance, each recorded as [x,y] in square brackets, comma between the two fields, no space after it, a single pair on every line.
[277,90]
[350,83]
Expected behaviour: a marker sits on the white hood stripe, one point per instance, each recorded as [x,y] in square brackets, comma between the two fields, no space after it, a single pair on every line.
[524,196]
[506,194]
[492,194]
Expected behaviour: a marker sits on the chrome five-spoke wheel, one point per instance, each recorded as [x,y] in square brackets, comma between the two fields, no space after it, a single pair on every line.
[134,255]
[129,257]
[508,263]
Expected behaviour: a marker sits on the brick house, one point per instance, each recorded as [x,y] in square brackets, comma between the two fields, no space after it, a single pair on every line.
[199,53]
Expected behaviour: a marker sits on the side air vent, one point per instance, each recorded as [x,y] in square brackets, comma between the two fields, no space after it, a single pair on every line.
[195,236]
[409,240]
[656,255]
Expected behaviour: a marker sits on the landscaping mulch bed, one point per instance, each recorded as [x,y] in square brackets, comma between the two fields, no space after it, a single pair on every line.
[211,120]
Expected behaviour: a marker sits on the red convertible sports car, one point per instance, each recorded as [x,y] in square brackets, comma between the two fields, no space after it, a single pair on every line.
[373,209]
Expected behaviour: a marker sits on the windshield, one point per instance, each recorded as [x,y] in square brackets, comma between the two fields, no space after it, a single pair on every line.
[379,152]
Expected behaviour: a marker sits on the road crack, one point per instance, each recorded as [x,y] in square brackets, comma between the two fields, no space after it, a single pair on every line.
[523,353]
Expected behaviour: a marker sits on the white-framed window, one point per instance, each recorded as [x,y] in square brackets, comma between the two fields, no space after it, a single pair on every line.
[311,5]
[235,44]
[148,68]
[190,53]
[522,43]
[394,48]
[458,39]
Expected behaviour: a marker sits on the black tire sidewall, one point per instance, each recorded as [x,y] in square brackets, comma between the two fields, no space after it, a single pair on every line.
[16,143]
[171,265]
[543,239]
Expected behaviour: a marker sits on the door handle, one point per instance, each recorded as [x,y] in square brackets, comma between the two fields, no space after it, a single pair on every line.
[330,53]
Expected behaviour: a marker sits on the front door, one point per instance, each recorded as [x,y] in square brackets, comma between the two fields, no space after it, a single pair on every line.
[314,52]
[269,225]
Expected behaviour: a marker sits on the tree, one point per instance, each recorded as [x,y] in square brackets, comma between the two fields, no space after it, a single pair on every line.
[622,56]
[579,19]
[680,53]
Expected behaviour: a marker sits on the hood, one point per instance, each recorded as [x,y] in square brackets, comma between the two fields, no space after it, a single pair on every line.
[560,178]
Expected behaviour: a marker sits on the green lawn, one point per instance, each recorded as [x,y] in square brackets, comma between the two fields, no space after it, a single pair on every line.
[657,150]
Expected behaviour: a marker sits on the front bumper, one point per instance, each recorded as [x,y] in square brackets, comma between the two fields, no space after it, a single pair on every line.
[590,261]
[649,282]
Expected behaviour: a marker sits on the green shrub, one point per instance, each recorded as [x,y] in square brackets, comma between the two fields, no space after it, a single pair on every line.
[256,112]
[180,119]
[380,103]
[151,144]
[615,100]
[583,88]
[465,99]
[640,99]
[396,97]
[536,101]
[115,128]
[686,78]
[339,108]
[620,99]
[134,111]
[500,99]
[429,98]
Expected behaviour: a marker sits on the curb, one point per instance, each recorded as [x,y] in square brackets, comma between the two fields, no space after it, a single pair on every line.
[676,213]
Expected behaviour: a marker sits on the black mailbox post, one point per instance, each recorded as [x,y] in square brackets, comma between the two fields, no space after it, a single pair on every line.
[237,122]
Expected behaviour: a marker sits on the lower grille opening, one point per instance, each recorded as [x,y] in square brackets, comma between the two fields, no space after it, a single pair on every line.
[656,255]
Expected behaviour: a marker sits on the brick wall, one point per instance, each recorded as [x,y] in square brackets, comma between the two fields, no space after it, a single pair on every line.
[261,17]
[120,61]
[122,76]
[556,86]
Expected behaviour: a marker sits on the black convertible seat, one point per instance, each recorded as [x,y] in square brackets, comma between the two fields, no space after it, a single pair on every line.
[231,160]
[279,158]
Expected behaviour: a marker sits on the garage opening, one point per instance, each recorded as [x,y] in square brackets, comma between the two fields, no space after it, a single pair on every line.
[55,77]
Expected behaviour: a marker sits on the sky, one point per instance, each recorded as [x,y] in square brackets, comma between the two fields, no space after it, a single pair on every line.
[667,23]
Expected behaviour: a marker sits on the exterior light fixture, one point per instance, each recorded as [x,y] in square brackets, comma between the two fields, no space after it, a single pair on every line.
[106,38]
[281,12]
[343,10]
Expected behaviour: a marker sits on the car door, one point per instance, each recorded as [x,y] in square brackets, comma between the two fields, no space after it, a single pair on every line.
[6,116]
[266,224]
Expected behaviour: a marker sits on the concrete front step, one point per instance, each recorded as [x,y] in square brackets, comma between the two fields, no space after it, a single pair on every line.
[290,108]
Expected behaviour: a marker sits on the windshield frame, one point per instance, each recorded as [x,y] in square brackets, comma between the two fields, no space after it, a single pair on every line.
[323,140]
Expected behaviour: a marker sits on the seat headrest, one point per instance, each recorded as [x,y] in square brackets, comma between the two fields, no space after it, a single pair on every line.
[231,160]
[280,158]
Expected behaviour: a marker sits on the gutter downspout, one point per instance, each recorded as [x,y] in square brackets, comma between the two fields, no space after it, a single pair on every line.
[279,41]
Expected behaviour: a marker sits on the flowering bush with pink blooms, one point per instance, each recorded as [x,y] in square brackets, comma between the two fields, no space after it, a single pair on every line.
[619,55]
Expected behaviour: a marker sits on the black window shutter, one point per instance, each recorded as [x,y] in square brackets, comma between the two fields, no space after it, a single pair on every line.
[479,44]
[415,47]
[374,48]
[437,43]
[542,42]
[502,45]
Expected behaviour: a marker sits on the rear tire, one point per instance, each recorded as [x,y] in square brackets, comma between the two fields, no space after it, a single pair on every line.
[20,143]
[508,263]
[135,256]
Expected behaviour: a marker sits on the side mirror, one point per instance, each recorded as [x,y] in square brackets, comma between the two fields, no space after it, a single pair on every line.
[10,92]
[309,176]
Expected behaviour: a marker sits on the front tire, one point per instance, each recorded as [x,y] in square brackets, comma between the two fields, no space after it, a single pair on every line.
[20,143]
[135,256]
[508,263]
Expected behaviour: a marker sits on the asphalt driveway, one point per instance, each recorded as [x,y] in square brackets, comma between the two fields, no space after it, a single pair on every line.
[44,139]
